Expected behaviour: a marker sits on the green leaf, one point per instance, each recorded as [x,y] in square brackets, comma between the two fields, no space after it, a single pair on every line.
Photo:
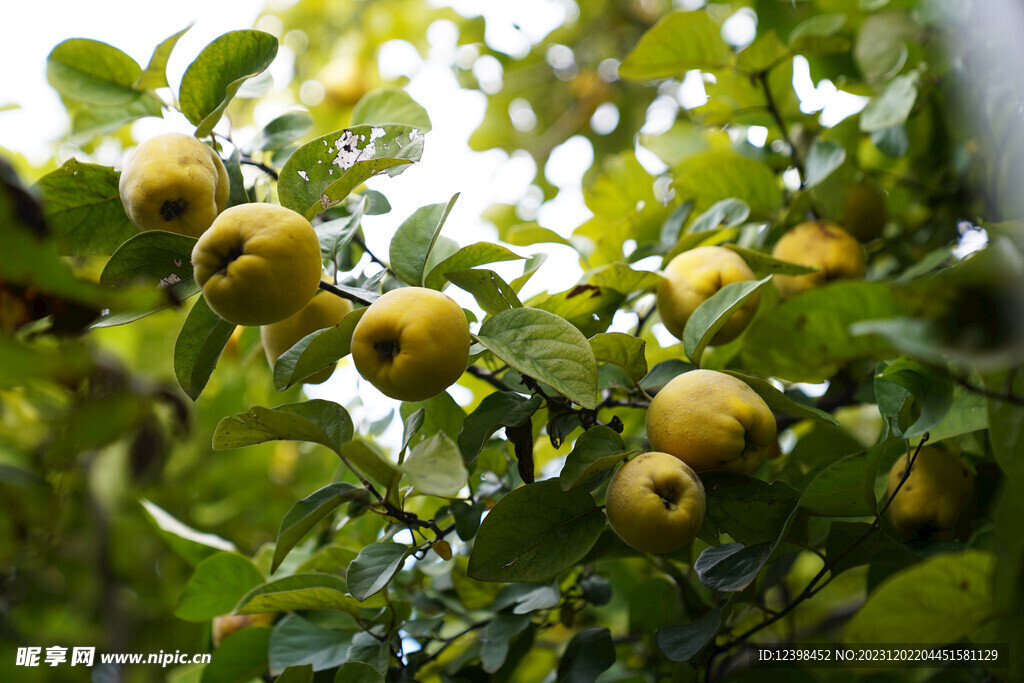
[807,338]
[680,41]
[623,350]
[191,545]
[711,176]
[893,106]
[84,208]
[236,183]
[414,240]
[298,642]
[390,105]
[497,410]
[155,74]
[663,373]
[588,307]
[499,633]
[90,120]
[682,642]
[468,257]
[940,600]
[816,35]
[545,347]
[198,347]
[747,509]
[932,392]
[240,658]
[589,654]
[321,173]
[597,449]
[358,672]
[213,78]
[374,567]
[290,674]
[623,279]
[92,72]
[157,258]
[824,157]
[316,420]
[316,351]
[838,490]
[762,264]
[368,649]
[336,235]
[368,459]
[731,567]
[443,415]
[763,54]
[528,234]
[713,313]
[724,213]
[435,466]
[875,549]
[534,533]
[300,592]
[216,586]
[284,130]
[780,403]
[306,513]
[490,291]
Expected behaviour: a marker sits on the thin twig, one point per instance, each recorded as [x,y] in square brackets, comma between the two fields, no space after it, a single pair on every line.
[249,161]
[358,241]
[488,377]
[986,392]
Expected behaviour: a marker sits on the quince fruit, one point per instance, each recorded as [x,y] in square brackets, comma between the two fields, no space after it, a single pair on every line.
[692,277]
[933,502]
[655,503]
[865,212]
[712,421]
[323,310]
[174,182]
[257,264]
[229,624]
[821,244]
[344,80]
[412,343]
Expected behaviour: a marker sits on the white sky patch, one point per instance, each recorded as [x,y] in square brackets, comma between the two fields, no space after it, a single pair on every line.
[349,152]
[304,176]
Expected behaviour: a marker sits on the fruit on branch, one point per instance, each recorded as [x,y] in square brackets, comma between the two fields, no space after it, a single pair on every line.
[257,264]
[712,421]
[323,310]
[692,277]
[822,244]
[655,503]
[412,343]
[934,501]
[865,211]
[229,624]
[174,182]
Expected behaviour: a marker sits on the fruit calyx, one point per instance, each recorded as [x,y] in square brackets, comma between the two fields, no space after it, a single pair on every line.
[173,208]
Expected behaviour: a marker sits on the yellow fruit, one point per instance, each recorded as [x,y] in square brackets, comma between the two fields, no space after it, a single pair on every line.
[412,343]
[712,421]
[257,264]
[937,494]
[865,211]
[323,310]
[692,277]
[821,244]
[229,624]
[655,503]
[344,80]
[174,182]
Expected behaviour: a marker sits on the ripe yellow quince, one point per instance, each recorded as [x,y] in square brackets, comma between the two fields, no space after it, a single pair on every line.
[257,264]
[933,501]
[655,503]
[344,80]
[711,421]
[692,277]
[323,310]
[229,624]
[821,244]
[174,182]
[412,343]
